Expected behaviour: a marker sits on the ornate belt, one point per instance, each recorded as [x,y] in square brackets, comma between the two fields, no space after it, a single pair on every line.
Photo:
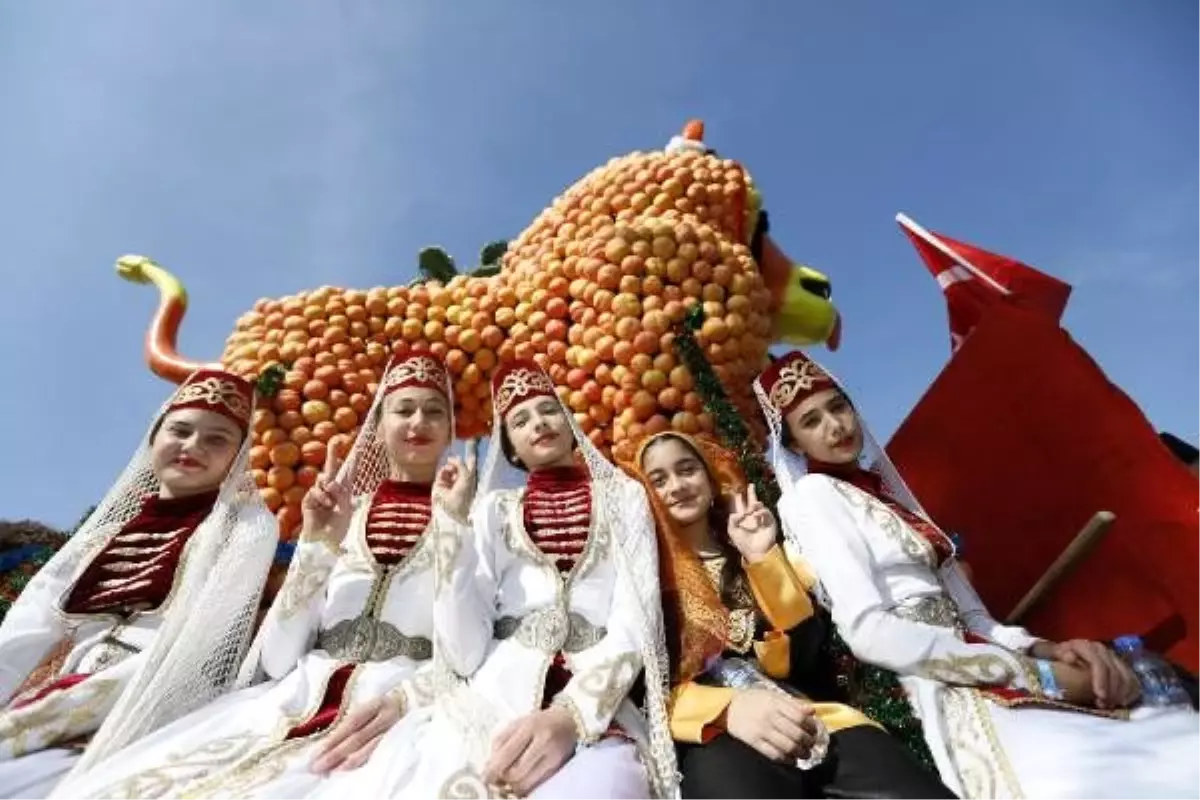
[364,639]
[550,630]
[936,610]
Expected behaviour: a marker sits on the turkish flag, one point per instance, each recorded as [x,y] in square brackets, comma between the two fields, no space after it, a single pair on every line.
[973,279]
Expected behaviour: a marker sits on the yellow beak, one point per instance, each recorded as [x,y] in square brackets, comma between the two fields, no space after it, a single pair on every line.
[807,315]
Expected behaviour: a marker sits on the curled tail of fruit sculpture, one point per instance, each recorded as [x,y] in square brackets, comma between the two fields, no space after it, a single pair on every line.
[593,290]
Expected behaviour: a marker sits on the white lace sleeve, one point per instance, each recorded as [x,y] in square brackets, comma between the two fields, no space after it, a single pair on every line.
[603,673]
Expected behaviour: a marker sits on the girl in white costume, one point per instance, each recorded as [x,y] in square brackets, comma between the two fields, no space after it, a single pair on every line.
[550,610]
[1005,714]
[146,612]
[347,644]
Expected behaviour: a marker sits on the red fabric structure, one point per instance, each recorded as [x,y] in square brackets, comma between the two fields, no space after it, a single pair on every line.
[1015,445]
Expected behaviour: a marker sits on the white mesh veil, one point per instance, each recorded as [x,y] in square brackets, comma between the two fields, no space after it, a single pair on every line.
[199,645]
[790,467]
[636,556]
[366,466]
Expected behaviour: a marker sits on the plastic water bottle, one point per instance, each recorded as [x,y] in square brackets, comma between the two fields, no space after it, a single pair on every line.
[1160,685]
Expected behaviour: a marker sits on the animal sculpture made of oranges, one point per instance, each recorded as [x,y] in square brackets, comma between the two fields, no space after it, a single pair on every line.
[593,290]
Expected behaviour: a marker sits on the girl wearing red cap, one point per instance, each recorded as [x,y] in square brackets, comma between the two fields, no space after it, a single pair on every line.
[145,613]
[549,611]
[1005,714]
[346,649]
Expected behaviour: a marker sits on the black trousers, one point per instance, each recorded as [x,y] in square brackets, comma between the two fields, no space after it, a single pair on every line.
[863,762]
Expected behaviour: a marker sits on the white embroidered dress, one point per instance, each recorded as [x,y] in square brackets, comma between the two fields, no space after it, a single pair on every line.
[503,610]
[146,667]
[898,609]
[239,745]
[337,612]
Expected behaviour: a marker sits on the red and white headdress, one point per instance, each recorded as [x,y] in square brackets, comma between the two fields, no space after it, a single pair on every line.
[517,381]
[367,463]
[783,386]
[422,370]
[218,391]
[787,382]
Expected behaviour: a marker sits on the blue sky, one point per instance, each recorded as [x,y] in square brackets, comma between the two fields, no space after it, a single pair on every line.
[259,149]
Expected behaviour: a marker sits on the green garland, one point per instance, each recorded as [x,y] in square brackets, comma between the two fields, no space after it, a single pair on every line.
[734,432]
[874,690]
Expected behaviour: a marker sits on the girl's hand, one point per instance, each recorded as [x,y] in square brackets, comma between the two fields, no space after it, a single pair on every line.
[455,487]
[326,507]
[752,527]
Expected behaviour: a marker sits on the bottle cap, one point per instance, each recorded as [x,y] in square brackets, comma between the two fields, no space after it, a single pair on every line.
[1127,644]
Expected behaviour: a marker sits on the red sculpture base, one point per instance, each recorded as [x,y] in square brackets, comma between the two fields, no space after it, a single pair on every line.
[1017,443]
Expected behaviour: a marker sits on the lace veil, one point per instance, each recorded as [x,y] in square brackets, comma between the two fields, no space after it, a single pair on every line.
[198,649]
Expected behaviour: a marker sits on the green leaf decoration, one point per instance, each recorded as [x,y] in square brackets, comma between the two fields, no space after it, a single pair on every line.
[270,380]
[436,264]
[733,430]
[492,252]
[486,271]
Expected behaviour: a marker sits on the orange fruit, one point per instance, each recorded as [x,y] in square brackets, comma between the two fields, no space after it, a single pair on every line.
[313,453]
[260,456]
[306,476]
[280,478]
[316,411]
[272,497]
[285,454]
[287,400]
[273,437]
[290,518]
[263,420]
[290,419]
[345,419]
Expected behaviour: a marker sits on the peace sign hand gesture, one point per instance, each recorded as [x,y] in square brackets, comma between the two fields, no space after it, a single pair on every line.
[326,508]
[752,527]
[455,487]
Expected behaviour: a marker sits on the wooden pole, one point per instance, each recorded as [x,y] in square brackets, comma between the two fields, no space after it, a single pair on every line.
[1070,558]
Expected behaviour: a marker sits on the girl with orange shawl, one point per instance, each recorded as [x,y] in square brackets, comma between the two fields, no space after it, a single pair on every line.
[746,645]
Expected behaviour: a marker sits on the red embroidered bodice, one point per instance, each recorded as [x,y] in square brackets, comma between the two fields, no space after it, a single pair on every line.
[400,512]
[558,513]
[136,569]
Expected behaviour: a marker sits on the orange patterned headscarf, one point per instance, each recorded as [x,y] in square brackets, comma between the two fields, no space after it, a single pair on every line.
[696,621]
